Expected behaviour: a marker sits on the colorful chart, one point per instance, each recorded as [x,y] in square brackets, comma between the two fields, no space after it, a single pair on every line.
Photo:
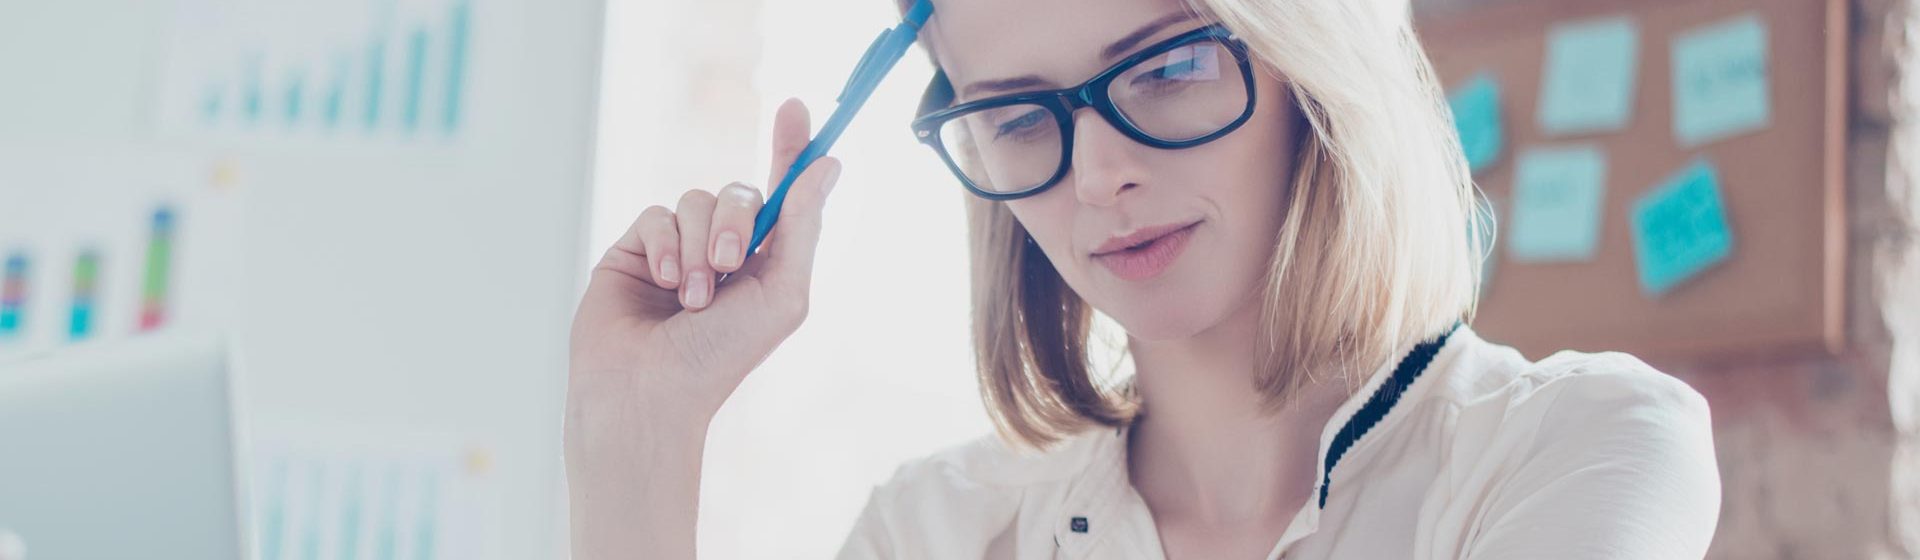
[86,288]
[13,296]
[153,292]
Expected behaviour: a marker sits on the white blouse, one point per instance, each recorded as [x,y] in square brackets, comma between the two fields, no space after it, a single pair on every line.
[1482,455]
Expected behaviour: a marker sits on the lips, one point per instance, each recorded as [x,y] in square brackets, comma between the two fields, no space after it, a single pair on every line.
[1144,253]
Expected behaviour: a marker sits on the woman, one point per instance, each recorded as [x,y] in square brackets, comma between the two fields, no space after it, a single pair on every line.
[1267,196]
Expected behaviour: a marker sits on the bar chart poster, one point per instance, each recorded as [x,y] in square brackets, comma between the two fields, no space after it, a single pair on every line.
[347,71]
[354,503]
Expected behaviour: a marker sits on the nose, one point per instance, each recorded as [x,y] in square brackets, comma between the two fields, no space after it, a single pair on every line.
[1104,160]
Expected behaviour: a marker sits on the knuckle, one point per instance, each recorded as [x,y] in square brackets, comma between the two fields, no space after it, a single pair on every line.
[695,197]
[740,195]
[659,225]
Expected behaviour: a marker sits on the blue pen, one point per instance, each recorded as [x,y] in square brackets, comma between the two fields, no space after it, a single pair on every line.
[873,67]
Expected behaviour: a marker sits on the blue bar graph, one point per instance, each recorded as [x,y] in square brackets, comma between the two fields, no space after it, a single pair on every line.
[252,97]
[456,65]
[336,93]
[211,103]
[350,517]
[404,73]
[416,70]
[376,76]
[273,523]
[343,505]
[291,104]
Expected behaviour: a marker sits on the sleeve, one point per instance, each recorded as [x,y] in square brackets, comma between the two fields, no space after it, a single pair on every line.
[869,539]
[1611,460]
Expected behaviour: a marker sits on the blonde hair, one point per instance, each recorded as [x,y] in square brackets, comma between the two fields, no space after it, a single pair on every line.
[1380,247]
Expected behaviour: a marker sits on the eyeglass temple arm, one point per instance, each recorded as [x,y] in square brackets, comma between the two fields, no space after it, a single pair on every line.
[879,59]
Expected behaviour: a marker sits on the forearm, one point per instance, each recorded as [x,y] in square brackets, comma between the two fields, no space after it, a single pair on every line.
[634,482]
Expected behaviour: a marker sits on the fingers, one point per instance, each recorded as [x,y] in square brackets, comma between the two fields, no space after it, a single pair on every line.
[797,231]
[660,237]
[732,226]
[800,223]
[694,215]
[790,130]
[652,242]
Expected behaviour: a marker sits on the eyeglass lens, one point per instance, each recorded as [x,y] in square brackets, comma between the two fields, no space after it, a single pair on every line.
[1188,92]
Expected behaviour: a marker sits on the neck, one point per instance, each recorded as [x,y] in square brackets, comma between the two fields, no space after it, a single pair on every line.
[1207,449]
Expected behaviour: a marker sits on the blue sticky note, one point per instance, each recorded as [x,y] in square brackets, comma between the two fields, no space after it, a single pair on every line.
[1680,229]
[1558,194]
[1476,116]
[1587,84]
[1720,80]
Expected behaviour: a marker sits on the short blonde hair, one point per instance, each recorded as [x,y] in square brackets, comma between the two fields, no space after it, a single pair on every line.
[1380,247]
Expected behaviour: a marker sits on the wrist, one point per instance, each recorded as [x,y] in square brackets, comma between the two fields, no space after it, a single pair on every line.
[615,410]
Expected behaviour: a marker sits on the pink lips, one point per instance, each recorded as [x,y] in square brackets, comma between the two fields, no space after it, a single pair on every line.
[1145,253]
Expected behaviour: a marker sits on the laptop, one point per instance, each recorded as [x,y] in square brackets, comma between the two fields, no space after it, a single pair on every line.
[120,449]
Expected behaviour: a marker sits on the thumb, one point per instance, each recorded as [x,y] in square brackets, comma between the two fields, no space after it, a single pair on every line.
[797,233]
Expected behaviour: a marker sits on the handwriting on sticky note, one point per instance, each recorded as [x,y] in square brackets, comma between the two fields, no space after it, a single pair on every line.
[1588,82]
[1720,80]
[1558,194]
[1680,229]
[1476,116]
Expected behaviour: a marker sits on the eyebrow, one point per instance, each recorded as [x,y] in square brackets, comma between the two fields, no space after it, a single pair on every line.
[1117,48]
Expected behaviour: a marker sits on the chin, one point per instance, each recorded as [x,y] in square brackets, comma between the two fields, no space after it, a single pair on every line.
[1167,310]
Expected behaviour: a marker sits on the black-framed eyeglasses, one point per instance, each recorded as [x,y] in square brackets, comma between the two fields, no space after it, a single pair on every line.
[1179,93]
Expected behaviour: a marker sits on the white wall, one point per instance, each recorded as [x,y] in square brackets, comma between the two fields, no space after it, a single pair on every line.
[882,370]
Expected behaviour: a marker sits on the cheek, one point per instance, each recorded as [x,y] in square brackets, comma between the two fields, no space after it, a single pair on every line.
[1048,217]
[1269,146]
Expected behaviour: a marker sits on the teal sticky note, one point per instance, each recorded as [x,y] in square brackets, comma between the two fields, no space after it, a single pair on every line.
[1558,194]
[1720,80]
[1591,68]
[1680,229]
[1476,117]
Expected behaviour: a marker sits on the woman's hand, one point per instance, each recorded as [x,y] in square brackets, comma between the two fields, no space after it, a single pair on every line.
[657,346]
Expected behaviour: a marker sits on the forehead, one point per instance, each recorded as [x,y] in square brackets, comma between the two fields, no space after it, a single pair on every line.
[1060,40]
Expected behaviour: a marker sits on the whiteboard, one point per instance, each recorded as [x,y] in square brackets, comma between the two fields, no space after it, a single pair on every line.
[393,246]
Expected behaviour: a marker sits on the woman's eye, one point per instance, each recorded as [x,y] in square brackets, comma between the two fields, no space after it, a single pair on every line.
[1021,124]
[1198,65]
[1179,70]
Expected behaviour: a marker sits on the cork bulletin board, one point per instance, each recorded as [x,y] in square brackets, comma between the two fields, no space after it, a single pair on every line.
[1760,266]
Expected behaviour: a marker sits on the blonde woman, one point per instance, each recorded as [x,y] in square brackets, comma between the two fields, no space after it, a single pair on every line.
[1267,196]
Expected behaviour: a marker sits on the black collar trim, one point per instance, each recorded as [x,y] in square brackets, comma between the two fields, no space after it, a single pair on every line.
[1380,404]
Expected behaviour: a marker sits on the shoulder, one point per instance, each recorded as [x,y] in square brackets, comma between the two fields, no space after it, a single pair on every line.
[1601,442]
[1578,387]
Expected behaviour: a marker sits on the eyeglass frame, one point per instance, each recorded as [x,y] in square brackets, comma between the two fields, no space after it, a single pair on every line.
[1062,103]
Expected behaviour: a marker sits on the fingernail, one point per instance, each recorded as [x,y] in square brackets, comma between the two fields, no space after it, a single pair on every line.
[726,251]
[669,270]
[697,289]
[833,178]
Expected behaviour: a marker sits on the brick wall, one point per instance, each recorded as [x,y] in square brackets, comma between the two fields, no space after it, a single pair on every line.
[1818,457]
